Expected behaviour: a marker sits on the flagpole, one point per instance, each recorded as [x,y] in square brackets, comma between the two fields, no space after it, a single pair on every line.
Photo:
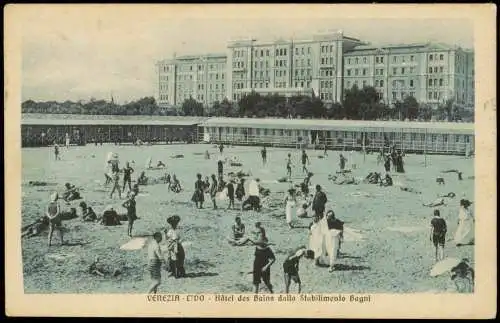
[425,148]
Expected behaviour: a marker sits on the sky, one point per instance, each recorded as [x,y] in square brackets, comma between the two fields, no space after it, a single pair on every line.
[77,53]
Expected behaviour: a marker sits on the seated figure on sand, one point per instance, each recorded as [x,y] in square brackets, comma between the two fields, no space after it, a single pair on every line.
[437,202]
[71,193]
[238,232]
[386,181]
[372,178]
[175,185]
[142,179]
[98,269]
[110,217]
[88,215]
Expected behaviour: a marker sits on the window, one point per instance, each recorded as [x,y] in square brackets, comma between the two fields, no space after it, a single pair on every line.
[411,83]
[394,71]
[376,83]
[435,82]
[430,57]
[402,70]
[348,84]
[364,60]
[349,72]
[435,69]
[284,51]
[381,59]
[440,82]
[331,48]
[430,82]
[364,71]
[412,58]
[441,57]
[377,59]
[267,52]
[348,61]
[381,83]
[440,69]
[394,95]
[435,95]
[430,69]
[296,51]
[364,83]
[356,71]
[357,60]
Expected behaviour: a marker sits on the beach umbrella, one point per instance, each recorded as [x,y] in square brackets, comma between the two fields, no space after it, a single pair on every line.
[444,266]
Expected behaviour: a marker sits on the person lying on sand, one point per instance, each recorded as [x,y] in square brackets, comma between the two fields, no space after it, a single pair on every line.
[342,179]
[34,229]
[71,193]
[387,181]
[97,269]
[438,202]
[450,195]
[39,183]
[459,173]
[409,189]
[372,178]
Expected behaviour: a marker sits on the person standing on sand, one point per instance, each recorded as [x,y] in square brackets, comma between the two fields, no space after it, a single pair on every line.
[155,258]
[198,195]
[220,168]
[230,193]
[116,182]
[264,258]
[291,268]
[127,179]
[290,202]
[221,148]
[263,154]
[56,152]
[129,204]
[240,189]
[213,191]
[465,230]
[175,249]
[342,162]
[319,202]
[438,234]
[53,212]
[289,166]
[305,161]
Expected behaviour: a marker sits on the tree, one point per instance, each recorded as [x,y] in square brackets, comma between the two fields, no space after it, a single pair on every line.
[191,107]
[410,108]
[247,104]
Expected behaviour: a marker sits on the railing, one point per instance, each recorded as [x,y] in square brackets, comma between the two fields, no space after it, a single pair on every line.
[407,145]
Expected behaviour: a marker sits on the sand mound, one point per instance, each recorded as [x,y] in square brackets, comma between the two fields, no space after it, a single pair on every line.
[134,244]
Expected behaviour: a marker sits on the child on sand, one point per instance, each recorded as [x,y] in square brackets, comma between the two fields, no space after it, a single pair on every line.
[155,258]
[213,190]
[291,268]
[129,204]
[305,160]
[238,230]
[438,234]
[198,195]
[53,212]
[56,152]
[116,184]
[289,165]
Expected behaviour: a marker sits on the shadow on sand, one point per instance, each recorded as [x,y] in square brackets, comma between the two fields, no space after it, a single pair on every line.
[343,267]
[200,274]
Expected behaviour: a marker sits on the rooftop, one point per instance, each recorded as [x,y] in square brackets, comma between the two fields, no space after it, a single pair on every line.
[322,124]
[80,119]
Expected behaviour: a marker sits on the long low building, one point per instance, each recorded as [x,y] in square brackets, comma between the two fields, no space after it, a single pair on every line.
[424,137]
[45,129]
[420,137]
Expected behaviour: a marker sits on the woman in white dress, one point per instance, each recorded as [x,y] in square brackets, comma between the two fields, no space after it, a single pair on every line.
[290,202]
[316,239]
[465,231]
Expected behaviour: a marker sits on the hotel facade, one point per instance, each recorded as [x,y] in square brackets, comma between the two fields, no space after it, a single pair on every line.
[325,65]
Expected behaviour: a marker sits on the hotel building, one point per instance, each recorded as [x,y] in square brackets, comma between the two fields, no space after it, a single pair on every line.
[325,65]
[202,78]
[431,73]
